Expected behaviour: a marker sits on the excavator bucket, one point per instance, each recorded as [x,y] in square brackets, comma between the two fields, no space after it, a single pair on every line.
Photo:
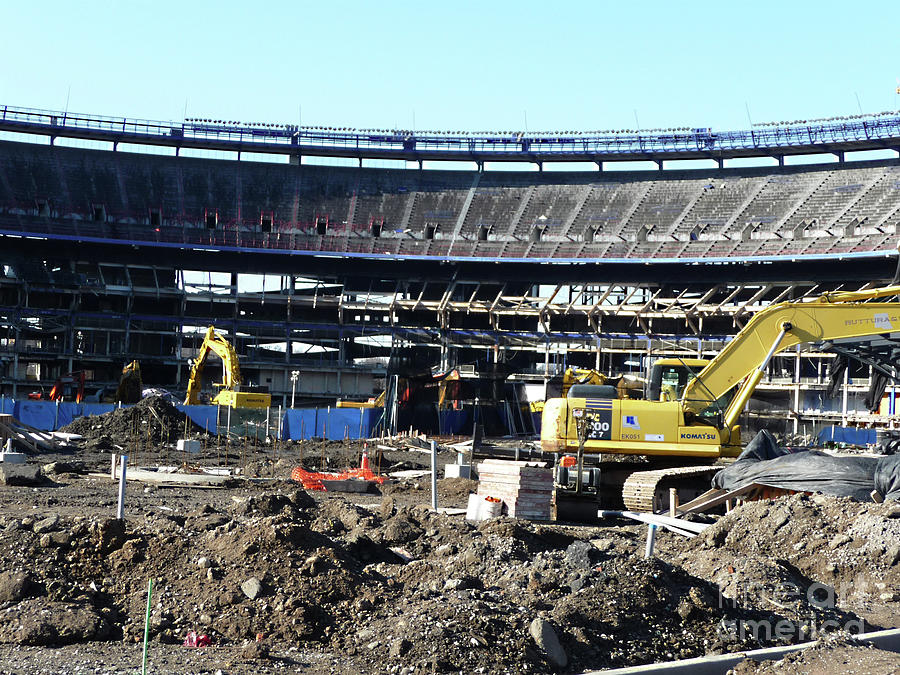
[130,384]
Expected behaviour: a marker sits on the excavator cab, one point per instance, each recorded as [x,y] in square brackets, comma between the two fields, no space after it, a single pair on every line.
[669,377]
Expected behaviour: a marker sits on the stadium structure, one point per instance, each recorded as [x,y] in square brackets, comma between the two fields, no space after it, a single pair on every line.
[129,248]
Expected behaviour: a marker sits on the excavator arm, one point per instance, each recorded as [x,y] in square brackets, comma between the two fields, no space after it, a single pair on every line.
[743,361]
[231,371]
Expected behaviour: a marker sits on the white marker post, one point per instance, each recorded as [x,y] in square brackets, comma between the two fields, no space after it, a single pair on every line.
[123,463]
[434,501]
[651,540]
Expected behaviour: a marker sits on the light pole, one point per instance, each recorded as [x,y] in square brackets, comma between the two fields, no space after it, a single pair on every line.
[295,375]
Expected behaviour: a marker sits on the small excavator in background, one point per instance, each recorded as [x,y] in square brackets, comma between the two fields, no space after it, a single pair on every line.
[131,385]
[232,392]
[69,387]
[586,379]
[373,402]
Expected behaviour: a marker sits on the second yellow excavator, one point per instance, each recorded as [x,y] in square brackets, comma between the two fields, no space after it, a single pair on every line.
[231,391]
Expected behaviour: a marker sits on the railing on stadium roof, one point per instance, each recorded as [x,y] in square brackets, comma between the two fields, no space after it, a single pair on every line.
[856,134]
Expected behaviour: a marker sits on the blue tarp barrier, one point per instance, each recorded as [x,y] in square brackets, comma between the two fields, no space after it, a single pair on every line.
[298,424]
[849,435]
[45,415]
[340,423]
[65,413]
[38,414]
[204,416]
[333,424]
[97,408]
[456,422]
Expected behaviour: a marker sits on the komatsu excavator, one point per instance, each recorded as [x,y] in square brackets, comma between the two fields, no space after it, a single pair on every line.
[698,426]
[231,391]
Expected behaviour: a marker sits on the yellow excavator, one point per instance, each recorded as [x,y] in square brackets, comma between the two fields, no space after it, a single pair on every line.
[231,391]
[373,402]
[699,424]
[625,386]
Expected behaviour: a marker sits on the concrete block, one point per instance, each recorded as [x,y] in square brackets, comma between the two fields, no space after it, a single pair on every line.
[20,474]
[458,471]
[191,447]
[12,457]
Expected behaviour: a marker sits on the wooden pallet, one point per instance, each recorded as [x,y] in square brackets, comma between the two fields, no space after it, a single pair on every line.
[33,439]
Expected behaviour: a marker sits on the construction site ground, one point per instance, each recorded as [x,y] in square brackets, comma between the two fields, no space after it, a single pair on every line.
[284,580]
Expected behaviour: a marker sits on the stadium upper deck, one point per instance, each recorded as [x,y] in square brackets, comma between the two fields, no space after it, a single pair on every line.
[192,207]
[846,134]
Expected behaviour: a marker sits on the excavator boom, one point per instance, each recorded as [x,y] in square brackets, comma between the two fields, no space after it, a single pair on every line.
[779,327]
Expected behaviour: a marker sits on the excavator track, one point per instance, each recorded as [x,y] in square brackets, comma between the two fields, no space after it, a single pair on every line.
[648,491]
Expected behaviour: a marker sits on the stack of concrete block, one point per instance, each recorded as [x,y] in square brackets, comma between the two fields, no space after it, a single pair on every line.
[526,488]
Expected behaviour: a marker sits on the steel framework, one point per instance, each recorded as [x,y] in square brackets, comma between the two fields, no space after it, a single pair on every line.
[860,133]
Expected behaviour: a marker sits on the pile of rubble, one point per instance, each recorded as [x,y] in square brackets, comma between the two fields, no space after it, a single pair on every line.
[851,549]
[154,420]
[274,576]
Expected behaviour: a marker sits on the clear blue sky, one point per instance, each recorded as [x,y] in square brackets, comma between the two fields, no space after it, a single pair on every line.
[455,65]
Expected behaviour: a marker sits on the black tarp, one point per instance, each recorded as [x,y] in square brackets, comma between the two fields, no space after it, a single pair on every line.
[801,470]
[887,477]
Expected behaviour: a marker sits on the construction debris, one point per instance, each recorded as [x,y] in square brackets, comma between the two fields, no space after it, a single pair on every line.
[27,437]
[676,525]
[154,419]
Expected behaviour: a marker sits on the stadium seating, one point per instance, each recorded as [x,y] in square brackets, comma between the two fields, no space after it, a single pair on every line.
[798,210]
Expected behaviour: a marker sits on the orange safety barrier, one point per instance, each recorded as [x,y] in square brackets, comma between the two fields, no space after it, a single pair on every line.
[313,480]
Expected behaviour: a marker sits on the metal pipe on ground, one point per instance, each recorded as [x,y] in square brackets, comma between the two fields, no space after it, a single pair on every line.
[719,664]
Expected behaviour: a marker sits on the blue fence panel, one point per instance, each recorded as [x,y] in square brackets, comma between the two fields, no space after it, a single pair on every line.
[456,422]
[98,408]
[371,418]
[38,414]
[204,416]
[298,425]
[850,435]
[331,423]
[66,413]
[345,423]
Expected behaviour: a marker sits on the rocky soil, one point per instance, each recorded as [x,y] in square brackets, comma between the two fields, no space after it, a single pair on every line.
[813,553]
[285,581]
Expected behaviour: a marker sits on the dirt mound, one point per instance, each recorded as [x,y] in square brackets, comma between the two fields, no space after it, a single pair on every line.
[382,587]
[154,418]
[452,492]
[845,551]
